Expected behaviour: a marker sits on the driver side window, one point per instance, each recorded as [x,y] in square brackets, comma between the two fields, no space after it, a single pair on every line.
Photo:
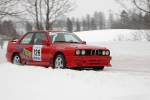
[38,37]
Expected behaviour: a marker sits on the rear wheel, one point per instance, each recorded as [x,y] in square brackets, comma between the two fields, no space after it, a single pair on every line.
[60,62]
[16,59]
[98,68]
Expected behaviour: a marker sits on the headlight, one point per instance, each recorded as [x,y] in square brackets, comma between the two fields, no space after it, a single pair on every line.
[107,52]
[103,52]
[83,52]
[77,52]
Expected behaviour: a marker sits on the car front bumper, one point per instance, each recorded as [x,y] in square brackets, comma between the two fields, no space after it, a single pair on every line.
[88,61]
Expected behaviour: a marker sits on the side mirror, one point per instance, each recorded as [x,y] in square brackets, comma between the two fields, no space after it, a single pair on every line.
[84,42]
[46,42]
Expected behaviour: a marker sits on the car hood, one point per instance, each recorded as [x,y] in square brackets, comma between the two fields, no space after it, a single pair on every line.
[79,46]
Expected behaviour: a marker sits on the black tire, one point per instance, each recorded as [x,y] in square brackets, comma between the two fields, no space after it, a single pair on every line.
[98,68]
[60,62]
[16,59]
[46,66]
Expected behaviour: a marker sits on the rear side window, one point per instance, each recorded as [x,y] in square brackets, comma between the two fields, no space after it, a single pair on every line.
[27,39]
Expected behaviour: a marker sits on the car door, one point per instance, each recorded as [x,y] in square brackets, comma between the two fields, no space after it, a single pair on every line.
[25,48]
[40,52]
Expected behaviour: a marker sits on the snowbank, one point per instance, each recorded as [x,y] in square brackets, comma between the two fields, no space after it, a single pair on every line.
[127,79]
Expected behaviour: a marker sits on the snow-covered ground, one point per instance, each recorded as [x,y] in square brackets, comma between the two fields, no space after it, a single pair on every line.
[127,79]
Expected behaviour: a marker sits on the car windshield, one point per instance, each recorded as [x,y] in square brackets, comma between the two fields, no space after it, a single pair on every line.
[64,37]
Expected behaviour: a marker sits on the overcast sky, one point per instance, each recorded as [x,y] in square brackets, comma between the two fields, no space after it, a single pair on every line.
[90,6]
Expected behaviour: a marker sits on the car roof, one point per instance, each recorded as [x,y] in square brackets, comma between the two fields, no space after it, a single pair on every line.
[49,31]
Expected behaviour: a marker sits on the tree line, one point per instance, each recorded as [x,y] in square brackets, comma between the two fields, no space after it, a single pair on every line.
[50,14]
[43,13]
[98,21]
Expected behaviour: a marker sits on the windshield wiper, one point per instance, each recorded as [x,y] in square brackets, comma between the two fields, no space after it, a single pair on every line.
[59,41]
[73,42]
[67,41]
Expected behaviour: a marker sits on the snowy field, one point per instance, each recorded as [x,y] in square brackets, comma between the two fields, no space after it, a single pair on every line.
[127,79]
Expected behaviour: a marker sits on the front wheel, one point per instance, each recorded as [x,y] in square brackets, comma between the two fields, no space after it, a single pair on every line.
[16,59]
[60,62]
[98,68]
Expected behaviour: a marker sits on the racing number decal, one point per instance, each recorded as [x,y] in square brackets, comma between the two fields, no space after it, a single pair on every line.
[36,53]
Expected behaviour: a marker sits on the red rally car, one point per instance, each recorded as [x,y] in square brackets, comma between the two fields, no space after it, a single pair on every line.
[56,49]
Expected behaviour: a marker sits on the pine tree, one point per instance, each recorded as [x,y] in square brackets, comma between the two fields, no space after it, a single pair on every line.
[101,20]
[77,26]
[111,21]
[73,23]
[93,24]
[147,20]
[134,22]
[140,24]
[96,19]
[88,20]
[84,26]
[124,19]
[69,25]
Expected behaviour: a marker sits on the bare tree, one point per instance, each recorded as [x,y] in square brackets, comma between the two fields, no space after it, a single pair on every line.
[7,8]
[143,5]
[140,5]
[28,26]
[46,12]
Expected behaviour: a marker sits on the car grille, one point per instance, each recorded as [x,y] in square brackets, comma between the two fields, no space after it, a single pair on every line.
[93,52]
